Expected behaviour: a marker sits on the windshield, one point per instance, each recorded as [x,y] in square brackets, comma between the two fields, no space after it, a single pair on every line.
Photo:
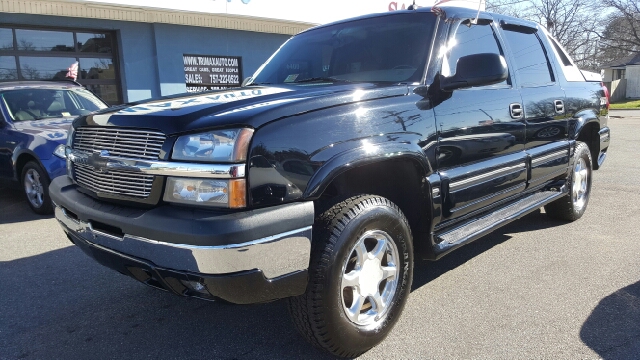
[392,48]
[36,104]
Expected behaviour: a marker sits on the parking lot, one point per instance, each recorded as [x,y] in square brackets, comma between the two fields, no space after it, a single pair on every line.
[537,288]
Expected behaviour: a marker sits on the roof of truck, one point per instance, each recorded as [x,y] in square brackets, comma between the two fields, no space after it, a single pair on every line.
[448,12]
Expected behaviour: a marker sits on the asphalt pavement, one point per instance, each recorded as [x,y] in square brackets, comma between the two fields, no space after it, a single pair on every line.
[537,288]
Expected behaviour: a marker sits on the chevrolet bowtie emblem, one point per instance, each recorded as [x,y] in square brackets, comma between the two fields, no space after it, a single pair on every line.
[98,161]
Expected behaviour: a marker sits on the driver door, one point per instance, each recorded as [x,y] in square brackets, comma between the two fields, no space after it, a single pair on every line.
[480,152]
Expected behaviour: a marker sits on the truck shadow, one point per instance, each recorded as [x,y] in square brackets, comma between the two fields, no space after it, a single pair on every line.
[613,328]
[13,205]
[427,271]
[63,305]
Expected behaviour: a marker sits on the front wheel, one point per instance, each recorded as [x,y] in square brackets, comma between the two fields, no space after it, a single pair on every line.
[572,206]
[35,183]
[360,276]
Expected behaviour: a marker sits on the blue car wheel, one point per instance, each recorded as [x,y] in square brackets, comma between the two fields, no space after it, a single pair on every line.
[35,183]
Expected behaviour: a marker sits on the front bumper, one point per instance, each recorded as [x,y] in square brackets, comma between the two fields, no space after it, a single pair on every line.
[197,254]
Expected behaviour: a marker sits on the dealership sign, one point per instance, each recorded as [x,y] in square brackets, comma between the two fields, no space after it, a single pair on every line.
[211,72]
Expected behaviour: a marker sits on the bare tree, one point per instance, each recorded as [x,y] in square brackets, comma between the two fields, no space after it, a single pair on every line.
[570,22]
[621,35]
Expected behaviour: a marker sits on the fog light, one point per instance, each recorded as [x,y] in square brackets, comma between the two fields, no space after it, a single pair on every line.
[195,286]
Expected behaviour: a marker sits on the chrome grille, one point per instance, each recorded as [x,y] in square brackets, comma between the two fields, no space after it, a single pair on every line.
[114,182]
[122,142]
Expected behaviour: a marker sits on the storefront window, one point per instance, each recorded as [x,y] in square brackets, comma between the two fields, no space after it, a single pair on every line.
[45,68]
[6,39]
[97,43]
[108,93]
[8,69]
[96,69]
[52,52]
[39,40]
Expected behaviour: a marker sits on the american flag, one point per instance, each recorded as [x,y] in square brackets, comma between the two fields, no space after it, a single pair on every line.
[73,71]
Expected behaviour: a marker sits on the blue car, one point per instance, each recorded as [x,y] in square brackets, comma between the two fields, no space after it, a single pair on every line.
[34,118]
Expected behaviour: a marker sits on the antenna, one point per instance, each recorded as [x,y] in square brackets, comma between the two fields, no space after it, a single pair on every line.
[413,7]
[475,21]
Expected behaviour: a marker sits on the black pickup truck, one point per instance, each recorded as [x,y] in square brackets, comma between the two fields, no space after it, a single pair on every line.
[358,147]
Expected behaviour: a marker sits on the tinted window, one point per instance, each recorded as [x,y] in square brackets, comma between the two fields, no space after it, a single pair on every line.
[6,39]
[96,69]
[108,93]
[466,40]
[40,40]
[531,62]
[45,68]
[8,70]
[97,43]
[561,53]
[391,48]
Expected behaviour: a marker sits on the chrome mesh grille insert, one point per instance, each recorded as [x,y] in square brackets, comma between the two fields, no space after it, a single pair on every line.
[119,142]
[122,142]
[114,182]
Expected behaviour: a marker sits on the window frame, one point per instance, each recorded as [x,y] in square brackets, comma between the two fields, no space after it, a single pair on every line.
[499,41]
[77,54]
[528,30]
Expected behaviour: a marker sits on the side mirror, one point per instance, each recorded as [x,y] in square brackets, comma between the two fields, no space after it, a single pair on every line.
[246,81]
[476,70]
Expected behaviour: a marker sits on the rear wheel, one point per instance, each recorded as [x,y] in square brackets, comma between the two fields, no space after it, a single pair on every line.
[572,206]
[360,276]
[35,184]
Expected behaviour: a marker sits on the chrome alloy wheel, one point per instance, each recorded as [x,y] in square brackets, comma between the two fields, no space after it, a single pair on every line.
[370,278]
[580,184]
[33,188]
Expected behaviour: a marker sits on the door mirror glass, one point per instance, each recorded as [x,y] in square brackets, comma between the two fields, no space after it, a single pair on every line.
[476,70]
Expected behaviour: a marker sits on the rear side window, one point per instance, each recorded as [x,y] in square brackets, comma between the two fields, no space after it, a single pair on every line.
[468,40]
[532,65]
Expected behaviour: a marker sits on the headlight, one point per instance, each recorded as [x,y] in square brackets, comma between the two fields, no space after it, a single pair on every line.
[207,192]
[214,146]
[70,134]
[60,151]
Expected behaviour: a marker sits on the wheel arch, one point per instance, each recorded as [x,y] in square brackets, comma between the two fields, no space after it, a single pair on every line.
[589,135]
[21,158]
[401,178]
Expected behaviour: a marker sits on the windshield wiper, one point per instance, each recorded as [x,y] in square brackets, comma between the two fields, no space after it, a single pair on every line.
[312,79]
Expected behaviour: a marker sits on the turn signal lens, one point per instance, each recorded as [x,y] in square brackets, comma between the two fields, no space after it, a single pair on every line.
[237,193]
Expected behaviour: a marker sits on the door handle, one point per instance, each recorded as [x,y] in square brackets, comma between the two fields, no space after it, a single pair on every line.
[559,106]
[515,110]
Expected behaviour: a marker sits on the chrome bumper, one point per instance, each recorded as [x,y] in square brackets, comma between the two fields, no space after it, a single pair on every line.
[275,255]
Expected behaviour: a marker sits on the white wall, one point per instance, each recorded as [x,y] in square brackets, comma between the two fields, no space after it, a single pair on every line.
[633,81]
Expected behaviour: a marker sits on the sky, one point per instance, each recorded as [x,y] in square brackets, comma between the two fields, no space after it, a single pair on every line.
[309,11]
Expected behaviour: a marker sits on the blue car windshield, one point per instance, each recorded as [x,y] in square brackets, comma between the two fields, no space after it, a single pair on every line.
[385,49]
[44,103]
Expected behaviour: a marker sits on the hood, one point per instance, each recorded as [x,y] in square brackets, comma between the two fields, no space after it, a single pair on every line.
[54,129]
[249,106]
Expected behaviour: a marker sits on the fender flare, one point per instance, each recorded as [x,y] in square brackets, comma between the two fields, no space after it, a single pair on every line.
[581,119]
[360,156]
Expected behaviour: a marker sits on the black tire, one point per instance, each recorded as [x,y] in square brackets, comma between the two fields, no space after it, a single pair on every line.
[44,207]
[318,313]
[567,208]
